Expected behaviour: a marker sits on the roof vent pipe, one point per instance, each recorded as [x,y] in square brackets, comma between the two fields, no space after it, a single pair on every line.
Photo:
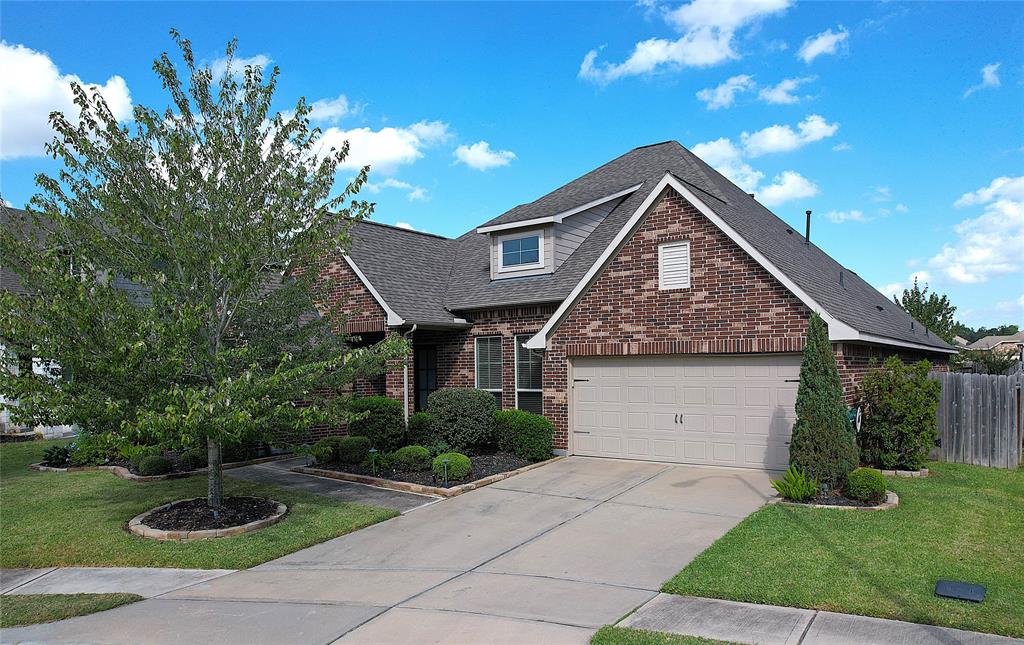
[807,235]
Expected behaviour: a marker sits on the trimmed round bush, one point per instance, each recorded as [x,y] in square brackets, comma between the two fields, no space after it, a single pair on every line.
[352,450]
[411,459]
[155,465]
[459,466]
[463,417]
[383,424]
[421,429]
[865,485]
[527,435]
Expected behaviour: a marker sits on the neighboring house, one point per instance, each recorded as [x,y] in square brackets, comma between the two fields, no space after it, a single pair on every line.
[20,361]
[1002,345]
[960,341]
[651,309]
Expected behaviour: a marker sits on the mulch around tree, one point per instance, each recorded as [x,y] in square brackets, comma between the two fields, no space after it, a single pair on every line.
[837,500]
[195,515]
[483,465]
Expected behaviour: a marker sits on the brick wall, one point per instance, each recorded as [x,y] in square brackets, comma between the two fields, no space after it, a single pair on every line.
[733,305]
[854,361]
[363,312]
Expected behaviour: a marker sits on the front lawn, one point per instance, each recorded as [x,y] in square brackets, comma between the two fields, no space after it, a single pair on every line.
[960,523]
[53,519]
[32,609]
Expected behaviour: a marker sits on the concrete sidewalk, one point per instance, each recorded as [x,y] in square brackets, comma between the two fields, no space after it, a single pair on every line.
[768,625]
[146,582]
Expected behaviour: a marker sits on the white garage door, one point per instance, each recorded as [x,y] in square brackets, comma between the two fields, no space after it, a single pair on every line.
[716,410]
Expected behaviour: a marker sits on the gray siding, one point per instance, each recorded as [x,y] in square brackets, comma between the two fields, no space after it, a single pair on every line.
[576,228]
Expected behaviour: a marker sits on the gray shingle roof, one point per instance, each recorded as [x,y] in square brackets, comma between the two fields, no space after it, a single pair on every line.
[988,342]
[410,269]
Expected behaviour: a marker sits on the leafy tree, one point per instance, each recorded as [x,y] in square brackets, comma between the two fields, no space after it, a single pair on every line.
[823,445]
[930,309]
[982,361]
[177,270]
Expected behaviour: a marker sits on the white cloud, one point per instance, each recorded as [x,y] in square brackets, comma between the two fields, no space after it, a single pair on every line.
[727,159]
[827,42]
[839,217]
[881,194]
[782,92]
[901,208]
[386,149]
[989,78]
[707,28]
[842,147]
[238,64]
[990,244]
[782,138]
[31,87]
[406,225]
[785,187]
[414,193]
[724,95]
[895,289]
[479,156]
[331,110]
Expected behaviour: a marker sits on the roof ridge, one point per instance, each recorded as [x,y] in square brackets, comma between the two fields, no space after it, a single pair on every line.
[402,228]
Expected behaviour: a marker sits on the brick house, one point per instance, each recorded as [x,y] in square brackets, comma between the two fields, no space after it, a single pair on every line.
[651,309]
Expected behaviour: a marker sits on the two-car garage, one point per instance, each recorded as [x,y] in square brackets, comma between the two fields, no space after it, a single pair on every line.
[696,409]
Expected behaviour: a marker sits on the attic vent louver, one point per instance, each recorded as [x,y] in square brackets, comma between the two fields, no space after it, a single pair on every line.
[880,307]
[911,325]
[842,283]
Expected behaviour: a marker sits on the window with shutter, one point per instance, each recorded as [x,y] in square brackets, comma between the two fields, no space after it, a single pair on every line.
[529,377]
[488,365]
[674,266]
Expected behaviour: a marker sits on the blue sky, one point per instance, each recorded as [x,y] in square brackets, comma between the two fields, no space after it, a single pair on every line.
[900,125]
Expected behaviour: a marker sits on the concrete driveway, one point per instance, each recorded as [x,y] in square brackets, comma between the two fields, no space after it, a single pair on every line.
[545,557]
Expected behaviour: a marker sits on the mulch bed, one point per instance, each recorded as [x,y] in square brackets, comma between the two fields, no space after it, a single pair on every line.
[484,465]
[838,500]
[195,515]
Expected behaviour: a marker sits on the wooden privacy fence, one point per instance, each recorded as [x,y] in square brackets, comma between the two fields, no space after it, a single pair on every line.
[980,418]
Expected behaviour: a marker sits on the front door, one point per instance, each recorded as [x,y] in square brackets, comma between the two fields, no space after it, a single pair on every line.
[425,365]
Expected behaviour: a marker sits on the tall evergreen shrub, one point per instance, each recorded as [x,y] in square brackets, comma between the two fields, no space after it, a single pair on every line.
[823,445]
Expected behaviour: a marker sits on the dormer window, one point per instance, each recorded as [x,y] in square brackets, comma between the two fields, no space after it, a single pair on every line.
[522,252]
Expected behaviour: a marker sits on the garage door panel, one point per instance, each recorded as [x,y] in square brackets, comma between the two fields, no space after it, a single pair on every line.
[722,410]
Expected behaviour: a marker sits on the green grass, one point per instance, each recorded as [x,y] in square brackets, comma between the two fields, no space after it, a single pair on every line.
[609,635]
[44,608]
[960,523]
[55,519]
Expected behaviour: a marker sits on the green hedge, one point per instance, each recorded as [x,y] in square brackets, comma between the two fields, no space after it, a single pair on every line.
[865,485]
[421,429]
[459,466]
[528,435]
[463,417]
[411,459]
[155,465]
[383,422]
[899,403]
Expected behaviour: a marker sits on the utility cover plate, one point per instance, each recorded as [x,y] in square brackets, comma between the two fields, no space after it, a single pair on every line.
[959,590]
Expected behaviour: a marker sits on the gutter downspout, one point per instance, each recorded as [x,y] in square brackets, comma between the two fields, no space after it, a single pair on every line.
[405,377]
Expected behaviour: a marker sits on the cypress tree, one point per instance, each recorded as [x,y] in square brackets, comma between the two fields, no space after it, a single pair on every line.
[823,445]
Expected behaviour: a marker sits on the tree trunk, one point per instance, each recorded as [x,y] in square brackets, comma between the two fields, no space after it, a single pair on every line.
[214,475]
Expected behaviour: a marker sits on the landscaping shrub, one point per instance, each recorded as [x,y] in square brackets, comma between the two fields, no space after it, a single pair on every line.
[243,450]
[411,459]
[421,429]
[352,450]
[795,486]
[57,456]
[155,465]
[823,445]
[93,449]
[463,417]
[865,485]
[899,403]
[527,435]
[193,459]
[439,448]
[324,451]
[459,466]
[383,422]
[135,454]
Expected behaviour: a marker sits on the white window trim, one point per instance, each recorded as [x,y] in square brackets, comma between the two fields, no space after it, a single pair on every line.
[476,363]
[661,264]
[522,339]
[539,264]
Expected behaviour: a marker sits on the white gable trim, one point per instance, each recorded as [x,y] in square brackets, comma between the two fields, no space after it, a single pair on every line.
[837,330]
[394,320]
[558,217]
[882,340]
